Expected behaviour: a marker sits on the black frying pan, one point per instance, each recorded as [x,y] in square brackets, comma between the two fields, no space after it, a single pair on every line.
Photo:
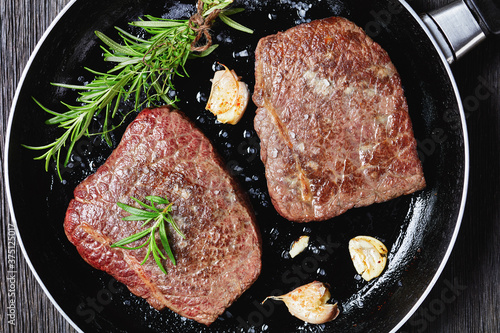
[418,229]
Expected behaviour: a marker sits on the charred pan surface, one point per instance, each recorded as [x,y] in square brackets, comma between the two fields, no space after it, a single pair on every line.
[333,121]
[163,154]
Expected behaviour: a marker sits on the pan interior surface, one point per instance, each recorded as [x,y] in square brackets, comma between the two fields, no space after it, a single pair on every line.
[417,229]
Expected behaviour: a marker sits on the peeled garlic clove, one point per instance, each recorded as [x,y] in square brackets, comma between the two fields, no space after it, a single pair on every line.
[369,256]
[228,97]
[308,303]
[299,245]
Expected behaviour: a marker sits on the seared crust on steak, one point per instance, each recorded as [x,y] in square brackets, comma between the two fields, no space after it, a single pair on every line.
[162,153]
[333,121]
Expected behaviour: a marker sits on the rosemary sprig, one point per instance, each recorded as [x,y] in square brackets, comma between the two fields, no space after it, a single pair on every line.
[159,217]
[144,67]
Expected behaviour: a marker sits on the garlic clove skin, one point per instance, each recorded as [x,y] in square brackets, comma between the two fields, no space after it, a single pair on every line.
[228,97]
[308,303]
[369,256]
[299,245]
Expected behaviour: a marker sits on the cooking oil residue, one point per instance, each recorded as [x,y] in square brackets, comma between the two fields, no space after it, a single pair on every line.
[241,54]
[201,97]
[178,10]
[302,9]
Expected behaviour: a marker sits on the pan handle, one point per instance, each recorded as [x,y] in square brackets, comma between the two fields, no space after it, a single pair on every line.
[459,26]
[488,13]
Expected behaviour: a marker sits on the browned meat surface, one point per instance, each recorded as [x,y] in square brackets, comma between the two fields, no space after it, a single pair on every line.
[333,121]
[163,154]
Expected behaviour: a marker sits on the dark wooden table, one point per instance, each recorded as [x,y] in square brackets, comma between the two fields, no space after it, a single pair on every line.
[466,298]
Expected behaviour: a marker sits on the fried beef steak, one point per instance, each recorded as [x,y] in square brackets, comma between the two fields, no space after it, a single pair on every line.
[162,153]
[333,121]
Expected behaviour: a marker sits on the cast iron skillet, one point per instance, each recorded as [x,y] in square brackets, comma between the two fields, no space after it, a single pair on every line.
[419,229]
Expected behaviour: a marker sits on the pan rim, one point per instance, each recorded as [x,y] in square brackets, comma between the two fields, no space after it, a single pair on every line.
[429,286]
[454,236]
[6,162]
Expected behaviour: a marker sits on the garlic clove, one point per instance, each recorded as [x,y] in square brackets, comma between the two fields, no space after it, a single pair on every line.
[308,303]
[228,97]
[369,256]
[299,245]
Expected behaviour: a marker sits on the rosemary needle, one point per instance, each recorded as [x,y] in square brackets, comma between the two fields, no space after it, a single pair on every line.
[144,67]
[159,218]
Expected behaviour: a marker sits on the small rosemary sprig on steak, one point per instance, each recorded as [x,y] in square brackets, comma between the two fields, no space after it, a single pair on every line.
[159,218]
[144,73]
